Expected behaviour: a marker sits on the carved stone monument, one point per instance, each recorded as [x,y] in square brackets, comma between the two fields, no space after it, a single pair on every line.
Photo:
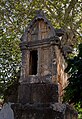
[42,77]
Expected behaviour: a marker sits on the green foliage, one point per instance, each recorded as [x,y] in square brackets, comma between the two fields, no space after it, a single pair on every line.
[79,109]
[73,92]
[9,61]
[15,15]
[11,87]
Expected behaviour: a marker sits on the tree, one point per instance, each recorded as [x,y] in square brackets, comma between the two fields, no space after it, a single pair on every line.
[73,91]
[9,62]
[14,17]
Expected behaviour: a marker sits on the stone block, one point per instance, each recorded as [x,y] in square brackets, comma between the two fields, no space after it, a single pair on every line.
[38,93]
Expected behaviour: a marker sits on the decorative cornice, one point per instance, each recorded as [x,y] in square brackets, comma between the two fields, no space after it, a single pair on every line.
[49,41]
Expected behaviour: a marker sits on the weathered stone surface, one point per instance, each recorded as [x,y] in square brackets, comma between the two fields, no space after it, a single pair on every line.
[38,93]
[59,107]
[36,111]
[44,111]
[61,75]
[6,112]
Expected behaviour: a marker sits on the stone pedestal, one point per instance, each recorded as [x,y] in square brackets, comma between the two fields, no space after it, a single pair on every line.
[38,93]
[40,101]
[44,111]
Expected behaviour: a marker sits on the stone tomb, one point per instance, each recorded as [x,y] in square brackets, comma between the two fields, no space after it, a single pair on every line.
[42,77]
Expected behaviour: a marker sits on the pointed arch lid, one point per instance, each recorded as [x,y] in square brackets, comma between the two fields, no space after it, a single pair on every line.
[39,16]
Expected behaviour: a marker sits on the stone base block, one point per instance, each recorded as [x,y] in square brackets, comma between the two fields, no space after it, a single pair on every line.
[44,111]
[38,93]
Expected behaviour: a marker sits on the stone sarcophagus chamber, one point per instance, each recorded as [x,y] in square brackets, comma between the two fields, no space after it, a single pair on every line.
[42,73]
[42,62]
